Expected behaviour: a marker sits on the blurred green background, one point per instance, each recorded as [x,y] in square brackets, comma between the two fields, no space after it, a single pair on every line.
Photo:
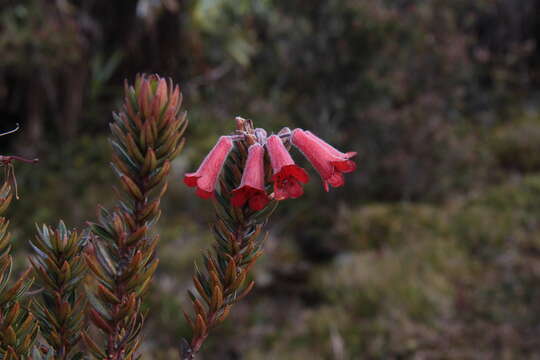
[432,248]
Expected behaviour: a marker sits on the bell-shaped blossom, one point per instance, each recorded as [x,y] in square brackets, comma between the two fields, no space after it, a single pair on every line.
[329,162]
[206,177]
[251,189]
[287,175]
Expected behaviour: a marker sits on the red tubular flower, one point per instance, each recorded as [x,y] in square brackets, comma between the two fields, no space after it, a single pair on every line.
[251,189]
[287,176]
[205,178]
[329,162]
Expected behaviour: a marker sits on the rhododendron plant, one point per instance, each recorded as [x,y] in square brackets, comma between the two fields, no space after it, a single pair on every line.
[91,284]
[248,190]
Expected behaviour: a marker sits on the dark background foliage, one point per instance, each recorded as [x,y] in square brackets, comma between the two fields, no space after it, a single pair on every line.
[433,242]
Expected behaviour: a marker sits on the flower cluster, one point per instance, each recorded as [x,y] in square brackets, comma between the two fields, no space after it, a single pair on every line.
[287,177]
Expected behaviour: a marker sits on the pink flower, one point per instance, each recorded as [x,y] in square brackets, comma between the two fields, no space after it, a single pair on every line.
[251,189]
[287,176]
[329,162]
[205,178]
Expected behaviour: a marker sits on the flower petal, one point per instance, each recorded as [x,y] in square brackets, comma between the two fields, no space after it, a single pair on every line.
[297,172]
[191,179]
[294,189]
[204,194]
[278,153]
[258,202]
[345,166]
[253,175]
[251,187]
[280,193]
[255,198]
[317,155]
[329,162]
[239,197]
[336,180]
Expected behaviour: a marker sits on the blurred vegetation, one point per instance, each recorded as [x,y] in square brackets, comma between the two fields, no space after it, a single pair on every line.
[430,251]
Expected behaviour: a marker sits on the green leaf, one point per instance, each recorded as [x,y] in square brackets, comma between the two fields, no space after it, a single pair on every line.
[124,156]
[97,305]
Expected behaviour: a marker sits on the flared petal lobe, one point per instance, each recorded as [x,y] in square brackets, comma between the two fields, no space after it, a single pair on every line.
[206,177]
[329,162]
[287,175]
[251,189]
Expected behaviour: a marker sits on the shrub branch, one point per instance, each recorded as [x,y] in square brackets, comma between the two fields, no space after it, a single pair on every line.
[146,136]
[222,278]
